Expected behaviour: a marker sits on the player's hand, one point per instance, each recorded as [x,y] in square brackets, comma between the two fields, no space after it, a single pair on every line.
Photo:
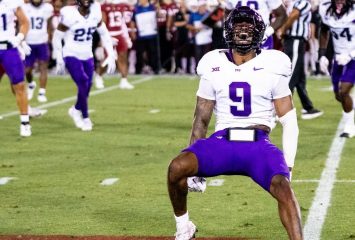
[342,59]
[100,53]
[60,66]
[27,49]
[129,42]
[268,32]
[323,64]
[114,41]
[110,63]
[169,35]
[16,40]
[196,184]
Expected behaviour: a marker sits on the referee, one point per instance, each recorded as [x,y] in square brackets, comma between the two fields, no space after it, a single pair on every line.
[295,32]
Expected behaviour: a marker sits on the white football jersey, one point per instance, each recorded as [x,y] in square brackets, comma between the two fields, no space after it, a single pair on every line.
[263,7]
[342,29]
[38,18]
[78,38]
[244,94]
[8,17]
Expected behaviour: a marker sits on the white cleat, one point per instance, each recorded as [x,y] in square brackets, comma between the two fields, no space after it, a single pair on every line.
[349,132]
[42,98]
[196,184]
[99,82]
[30,90]
[124,84]
[186,232]
[76,116]
[25,130]
[87,126]
[36,112]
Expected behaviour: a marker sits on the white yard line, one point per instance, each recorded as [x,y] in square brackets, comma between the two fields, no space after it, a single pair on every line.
[318,211]
[73,98]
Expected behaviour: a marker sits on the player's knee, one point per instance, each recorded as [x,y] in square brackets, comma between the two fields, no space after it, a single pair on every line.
[180,167]
[281,188]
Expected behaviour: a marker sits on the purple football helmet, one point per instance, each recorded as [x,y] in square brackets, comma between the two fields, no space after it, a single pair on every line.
[244,29]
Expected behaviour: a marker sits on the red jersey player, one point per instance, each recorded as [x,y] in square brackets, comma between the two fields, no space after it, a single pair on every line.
[116,14]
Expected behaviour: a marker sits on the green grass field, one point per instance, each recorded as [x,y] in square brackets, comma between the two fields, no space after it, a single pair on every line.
[58,170]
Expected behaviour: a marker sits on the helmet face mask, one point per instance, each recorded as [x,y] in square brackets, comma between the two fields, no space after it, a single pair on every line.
[36,3]
[340,7]
[244,30]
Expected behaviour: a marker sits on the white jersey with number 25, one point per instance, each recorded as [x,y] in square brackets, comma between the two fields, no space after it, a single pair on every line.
[244,94]
[78,39]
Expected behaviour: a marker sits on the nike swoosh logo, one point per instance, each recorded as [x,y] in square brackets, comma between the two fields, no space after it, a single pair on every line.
[257,69]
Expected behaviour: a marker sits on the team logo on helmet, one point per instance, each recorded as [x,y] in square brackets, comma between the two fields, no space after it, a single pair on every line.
[340,7]
[244,29]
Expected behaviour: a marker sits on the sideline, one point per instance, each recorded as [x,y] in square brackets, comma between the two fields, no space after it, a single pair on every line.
[70,99]
[318,211]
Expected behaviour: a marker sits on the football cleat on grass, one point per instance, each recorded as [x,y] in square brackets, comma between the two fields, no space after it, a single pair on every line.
[186,232]
[76,116]
[87,125]
[124,84]
[349,132]
[25,130]
[42,98]
[36,112]
[310,114]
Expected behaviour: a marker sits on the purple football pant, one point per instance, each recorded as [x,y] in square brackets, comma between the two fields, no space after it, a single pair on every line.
[260,160]
[39,52]
[11,61]
[343,74]
[81,71]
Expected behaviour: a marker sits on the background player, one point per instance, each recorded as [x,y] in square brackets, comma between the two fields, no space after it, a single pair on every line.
[113,14]
[39,15]
[10,57]
[338,18]
[243,86]
[265,8]
[77,25]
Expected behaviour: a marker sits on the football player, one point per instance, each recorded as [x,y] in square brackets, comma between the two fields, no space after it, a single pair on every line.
[265,8]
[38,14]
[76,27]
[10,57]
[242,85]
[113,13]
[338,19]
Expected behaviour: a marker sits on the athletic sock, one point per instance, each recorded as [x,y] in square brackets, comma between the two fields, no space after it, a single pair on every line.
[25,119]
[182,220]
[42,91]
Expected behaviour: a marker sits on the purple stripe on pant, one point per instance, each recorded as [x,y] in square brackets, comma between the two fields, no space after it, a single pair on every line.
[81,71]
[260,160]
[39,52]
[11,61]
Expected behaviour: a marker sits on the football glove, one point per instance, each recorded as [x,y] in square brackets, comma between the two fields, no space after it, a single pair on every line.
[196,184]
[342,59]
[323,64]
[110,62]
[16,40]
[268,32]
[60,66]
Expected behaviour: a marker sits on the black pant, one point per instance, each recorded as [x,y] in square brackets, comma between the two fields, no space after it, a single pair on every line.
[298,78]
[151,47]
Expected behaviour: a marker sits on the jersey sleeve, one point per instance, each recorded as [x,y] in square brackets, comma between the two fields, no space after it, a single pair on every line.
[281,87]
[205,89]
[17,3]
[49,10]
[65,16]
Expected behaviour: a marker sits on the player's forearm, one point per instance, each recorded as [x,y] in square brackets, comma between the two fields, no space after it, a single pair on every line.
[105,39]
[203,114]
[23,21]
[280,18]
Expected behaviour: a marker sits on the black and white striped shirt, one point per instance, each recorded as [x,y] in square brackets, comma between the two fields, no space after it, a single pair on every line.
[301,27]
